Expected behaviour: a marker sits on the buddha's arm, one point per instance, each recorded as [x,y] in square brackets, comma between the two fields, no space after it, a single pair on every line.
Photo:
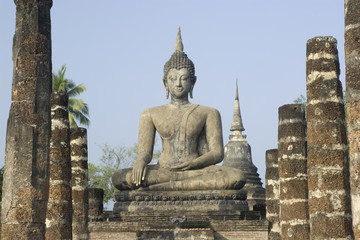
[215,142]
[145,147]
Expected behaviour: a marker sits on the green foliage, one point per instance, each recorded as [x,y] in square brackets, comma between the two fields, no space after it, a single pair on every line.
[301,100]
[113,158]
[78,109]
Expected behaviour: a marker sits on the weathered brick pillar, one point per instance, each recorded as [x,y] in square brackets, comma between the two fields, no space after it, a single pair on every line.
[294,216]
[59,208]
[79,180]
[272,188]
[26,177]
[96,204]
[352,63]
[329,192]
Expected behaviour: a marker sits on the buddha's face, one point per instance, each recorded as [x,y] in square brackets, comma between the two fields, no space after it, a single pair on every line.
[179,82]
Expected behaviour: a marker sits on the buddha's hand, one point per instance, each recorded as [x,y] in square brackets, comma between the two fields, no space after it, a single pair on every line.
[184,166]
[138,172]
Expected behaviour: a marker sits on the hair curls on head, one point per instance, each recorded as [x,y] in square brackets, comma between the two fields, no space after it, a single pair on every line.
[179,60]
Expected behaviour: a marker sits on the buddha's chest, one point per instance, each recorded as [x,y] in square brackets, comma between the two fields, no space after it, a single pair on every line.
[175,123]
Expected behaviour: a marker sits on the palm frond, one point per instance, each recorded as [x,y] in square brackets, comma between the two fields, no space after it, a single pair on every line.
[78,109]
[76,90]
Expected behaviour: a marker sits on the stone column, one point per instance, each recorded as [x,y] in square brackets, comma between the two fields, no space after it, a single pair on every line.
[329,192]
[294,217]
[352,63]
[26,177]
[96,204]
[79,180]
[272,194]
[59,208]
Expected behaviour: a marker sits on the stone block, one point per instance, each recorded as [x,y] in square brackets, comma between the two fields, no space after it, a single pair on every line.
[293,189]
[272,174]
[272,206]
[288,150]
[337,227]
[79,196]
[324,112]
[295,232]
[324,90]
[293,211]
[291,168]
[60,192]
[326,158]
[329,133]
[321,44]
[322,65]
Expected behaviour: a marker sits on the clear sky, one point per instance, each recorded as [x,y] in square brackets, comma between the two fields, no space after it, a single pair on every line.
[118,50]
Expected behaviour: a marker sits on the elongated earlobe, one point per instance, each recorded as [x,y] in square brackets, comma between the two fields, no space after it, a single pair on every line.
[167,93]
[191,90]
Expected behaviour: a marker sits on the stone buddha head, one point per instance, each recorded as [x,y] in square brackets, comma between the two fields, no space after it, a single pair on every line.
[179,72]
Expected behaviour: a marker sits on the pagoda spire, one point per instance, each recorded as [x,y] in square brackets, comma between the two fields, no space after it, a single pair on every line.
[237,126]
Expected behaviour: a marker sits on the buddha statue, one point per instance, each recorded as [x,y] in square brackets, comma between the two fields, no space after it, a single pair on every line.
[191,135]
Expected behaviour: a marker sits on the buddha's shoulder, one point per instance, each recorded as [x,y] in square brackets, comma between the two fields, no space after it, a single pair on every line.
[168,108]
[208,110]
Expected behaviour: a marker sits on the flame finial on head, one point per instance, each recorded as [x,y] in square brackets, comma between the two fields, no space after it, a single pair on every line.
[179,47]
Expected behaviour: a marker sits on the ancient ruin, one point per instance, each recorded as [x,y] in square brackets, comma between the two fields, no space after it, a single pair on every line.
[26,176]
[352,70]
[272,187]
[59,208]
[327,154]
[79,183]
[237,154]
[186,195]
[293,211]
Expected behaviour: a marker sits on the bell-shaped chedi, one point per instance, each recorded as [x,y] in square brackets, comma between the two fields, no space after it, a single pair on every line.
[238,155]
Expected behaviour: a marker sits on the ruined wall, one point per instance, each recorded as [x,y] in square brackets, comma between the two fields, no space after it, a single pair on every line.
[329,193]
[352,62]
[26,177]
[272,194]
[59,208]
[79,180]
[293,173]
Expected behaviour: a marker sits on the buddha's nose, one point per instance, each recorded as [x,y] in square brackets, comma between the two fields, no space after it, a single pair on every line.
[178,82]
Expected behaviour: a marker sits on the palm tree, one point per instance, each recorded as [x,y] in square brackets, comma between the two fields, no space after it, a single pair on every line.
[78,109]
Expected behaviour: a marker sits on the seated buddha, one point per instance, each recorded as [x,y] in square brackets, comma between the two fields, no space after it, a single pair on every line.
[191,135]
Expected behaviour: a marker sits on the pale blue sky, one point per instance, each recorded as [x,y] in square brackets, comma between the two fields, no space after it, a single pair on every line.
[118,50]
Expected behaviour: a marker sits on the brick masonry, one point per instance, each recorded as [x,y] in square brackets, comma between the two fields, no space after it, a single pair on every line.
[294,218]
[59,208]
[223,230]
[272,194]
[79,179]
[328,171]
[96,206]
[26,178]
[352,62]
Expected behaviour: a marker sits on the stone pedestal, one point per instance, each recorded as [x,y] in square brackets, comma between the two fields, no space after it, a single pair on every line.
[130,205]
[178,234]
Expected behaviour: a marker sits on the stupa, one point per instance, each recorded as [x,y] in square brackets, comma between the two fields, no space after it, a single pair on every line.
[238,155]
